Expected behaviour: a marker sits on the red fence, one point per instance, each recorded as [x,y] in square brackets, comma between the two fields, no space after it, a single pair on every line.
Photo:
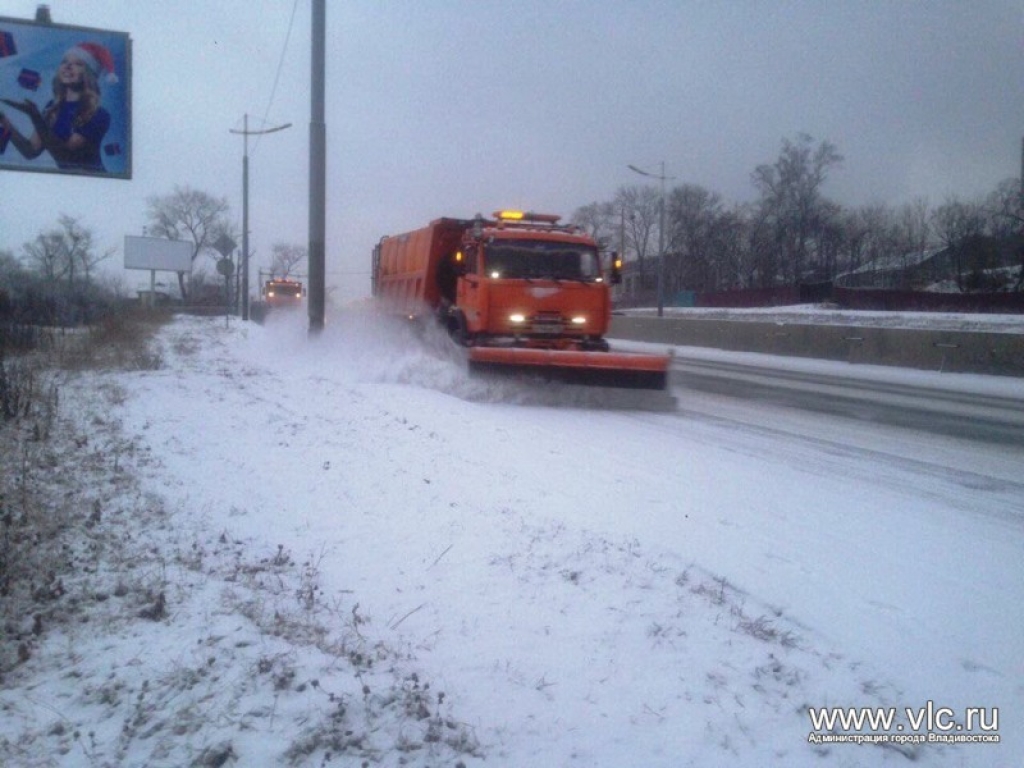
[756,297]
[920,301]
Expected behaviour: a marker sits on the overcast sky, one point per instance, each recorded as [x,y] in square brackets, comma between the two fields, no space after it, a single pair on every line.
[451,107]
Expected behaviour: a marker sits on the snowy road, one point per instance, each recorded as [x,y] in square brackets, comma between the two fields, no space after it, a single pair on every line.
[924,404]
[608,588]
[883,517]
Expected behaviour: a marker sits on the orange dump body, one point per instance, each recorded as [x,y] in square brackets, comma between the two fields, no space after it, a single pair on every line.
[525,294]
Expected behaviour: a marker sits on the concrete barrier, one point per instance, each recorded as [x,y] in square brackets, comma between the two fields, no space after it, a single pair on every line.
[1000,354]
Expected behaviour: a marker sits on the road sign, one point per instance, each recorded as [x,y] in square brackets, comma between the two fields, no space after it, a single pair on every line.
[225,245]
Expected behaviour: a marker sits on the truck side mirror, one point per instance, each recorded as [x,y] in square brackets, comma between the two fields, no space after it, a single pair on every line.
[616,273]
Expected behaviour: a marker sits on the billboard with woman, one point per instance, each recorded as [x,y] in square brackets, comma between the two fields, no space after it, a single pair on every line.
[65,99]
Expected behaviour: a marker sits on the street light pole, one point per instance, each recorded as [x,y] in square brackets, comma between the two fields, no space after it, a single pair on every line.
[661,232]
[246,133]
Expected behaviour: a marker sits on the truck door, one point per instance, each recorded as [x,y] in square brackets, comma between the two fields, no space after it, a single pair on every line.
[470,292]
[447,278]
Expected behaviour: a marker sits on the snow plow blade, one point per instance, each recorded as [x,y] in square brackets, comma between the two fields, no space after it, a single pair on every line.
[622,370]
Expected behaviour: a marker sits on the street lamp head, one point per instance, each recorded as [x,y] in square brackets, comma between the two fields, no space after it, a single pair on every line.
[660,177]
[246,132]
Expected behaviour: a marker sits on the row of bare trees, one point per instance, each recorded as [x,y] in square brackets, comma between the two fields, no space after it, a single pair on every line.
[54,281]
[201,220]
[53,277]
[793,233]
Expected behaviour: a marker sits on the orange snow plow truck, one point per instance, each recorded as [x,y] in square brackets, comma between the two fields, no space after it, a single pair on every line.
[520,292]
[282,292]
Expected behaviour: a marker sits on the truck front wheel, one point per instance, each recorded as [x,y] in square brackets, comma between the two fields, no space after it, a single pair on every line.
[459,330]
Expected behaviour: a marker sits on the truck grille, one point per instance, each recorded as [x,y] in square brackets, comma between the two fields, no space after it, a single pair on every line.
[547,323]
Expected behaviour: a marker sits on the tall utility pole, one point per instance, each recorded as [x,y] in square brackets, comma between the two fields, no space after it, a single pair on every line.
[246,133]
[661,232]
[317,174]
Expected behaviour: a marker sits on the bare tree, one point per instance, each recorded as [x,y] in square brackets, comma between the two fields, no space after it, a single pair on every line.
[13,274]
[63,259]
[46,255]
[286,257]
[915,222]
[191,215]
[880,241]
[693,214]
[791,196]
[599,220]
[734,254]
[1005,207]
[762,252]
[78,250]
[8,263]
[831,242]
[641,210]
[957,224]
[853,246]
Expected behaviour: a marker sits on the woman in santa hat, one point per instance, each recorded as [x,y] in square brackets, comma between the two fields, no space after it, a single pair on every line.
[71,127]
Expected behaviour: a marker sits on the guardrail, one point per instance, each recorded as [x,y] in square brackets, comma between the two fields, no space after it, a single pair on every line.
[1000,354]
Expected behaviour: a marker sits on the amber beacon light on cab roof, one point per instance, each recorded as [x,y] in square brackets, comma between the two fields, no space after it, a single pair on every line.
[519,291]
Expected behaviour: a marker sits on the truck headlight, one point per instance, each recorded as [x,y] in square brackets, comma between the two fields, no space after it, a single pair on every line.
[579,320]
[517,318]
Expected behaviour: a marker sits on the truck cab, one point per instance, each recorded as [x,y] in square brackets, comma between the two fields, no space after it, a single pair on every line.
[282,292]
[523,280]
[520,292]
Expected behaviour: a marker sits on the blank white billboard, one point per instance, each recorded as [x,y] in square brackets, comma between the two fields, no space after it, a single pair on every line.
[157,253]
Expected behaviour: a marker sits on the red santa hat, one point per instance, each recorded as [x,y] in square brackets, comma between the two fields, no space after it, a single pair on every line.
[97,58]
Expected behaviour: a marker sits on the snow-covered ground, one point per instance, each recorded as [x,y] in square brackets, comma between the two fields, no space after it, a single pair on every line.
[343,550]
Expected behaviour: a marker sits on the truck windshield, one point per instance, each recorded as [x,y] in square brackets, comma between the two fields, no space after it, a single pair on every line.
[541,259]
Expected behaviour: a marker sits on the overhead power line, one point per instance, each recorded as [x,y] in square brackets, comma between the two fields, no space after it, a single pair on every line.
[280,66]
